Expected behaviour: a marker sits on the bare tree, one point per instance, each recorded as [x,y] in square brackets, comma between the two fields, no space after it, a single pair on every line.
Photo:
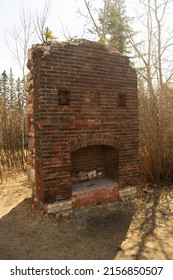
[157,44]
[30,27]
[155,94]
[40,23]
[22,36]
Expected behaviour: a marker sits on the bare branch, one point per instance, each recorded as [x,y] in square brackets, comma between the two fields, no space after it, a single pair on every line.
[40,23]
[88,6]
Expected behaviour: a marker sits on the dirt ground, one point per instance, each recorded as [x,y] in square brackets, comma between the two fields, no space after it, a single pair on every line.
[119,231]
[150,235]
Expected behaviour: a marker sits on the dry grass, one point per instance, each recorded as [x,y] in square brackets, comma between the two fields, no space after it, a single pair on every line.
[156,138]
[13,190]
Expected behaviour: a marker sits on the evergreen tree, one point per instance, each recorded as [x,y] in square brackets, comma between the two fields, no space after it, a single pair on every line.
[117,25]
[13,138]
[112,25]
[4,86]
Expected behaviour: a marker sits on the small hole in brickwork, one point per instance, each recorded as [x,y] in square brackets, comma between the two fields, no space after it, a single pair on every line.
[95,97]
[122,99]
[63,97]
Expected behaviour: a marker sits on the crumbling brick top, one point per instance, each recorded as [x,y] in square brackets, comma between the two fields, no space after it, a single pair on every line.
[44,49]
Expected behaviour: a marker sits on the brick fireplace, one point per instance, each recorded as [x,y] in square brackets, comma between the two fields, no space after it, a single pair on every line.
[83,122]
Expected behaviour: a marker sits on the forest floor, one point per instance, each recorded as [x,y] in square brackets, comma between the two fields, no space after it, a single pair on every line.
[143,230]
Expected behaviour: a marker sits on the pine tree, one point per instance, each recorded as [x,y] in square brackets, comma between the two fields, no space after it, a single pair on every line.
[112,26]
[4,86]
[12,125]
[116,24]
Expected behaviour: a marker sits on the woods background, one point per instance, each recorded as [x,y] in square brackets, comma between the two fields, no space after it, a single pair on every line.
[146,38]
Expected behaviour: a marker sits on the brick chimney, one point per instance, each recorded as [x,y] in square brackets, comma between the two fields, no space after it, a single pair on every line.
[82,118]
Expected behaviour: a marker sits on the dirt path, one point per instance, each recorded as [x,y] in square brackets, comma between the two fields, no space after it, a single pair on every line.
[27,233]
[14,190]
[94,233]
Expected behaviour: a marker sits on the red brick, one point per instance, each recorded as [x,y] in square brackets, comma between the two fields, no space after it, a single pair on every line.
[92,129]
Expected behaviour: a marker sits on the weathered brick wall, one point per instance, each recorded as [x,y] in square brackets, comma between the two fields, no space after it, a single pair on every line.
[84,95]
[87,158]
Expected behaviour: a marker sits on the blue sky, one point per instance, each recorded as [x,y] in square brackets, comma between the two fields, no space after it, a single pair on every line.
[62,12]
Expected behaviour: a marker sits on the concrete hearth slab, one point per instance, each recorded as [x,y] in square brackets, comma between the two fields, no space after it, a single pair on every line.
[94,192]
[94,184]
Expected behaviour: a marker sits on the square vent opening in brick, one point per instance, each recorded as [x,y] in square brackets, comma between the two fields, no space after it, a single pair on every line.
[122,99]
[63,97]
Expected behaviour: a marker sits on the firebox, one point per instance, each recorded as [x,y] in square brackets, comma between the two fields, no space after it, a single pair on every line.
[83,121]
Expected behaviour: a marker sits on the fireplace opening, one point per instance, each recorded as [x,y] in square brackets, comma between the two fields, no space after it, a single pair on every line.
[94,167]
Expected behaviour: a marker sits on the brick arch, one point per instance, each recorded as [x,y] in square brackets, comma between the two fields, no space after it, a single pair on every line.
[94,139]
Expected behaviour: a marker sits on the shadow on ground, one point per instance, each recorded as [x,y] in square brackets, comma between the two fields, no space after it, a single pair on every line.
[150,233]
[26,233]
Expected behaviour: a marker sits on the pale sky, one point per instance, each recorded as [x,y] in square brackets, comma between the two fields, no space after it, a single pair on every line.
[61,12]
